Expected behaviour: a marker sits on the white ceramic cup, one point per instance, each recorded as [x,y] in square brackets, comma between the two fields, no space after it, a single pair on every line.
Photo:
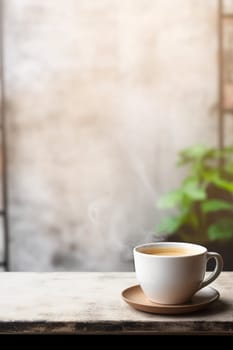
[168,279]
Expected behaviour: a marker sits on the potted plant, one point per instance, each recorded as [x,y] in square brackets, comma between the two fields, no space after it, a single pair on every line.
[203,204]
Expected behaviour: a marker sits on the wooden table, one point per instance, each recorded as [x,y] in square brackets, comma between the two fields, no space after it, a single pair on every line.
[80,303]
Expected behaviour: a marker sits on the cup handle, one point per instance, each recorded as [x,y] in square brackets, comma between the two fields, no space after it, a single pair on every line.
[217,270]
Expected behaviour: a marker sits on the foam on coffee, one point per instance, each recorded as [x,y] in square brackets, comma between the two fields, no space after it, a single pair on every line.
[168,251]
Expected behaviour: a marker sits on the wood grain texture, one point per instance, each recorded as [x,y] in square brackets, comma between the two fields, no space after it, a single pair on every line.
[80,303]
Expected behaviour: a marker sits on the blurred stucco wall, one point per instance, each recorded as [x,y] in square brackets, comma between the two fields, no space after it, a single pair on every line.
[100,97]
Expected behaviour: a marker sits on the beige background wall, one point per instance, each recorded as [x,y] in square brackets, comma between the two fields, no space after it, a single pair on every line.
[101,94]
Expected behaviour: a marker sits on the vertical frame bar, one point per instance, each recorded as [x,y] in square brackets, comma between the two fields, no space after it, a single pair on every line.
[220,76]
[4,145]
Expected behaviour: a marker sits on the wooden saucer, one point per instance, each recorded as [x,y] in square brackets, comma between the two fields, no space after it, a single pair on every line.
[135,297]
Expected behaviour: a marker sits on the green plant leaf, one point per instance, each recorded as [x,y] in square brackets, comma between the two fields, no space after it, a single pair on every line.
[194,153]
[223,229]
[171,199]
[170,224]
[193,197]
[222,183]
[215,205]
[194,190]
[218,181]
[201,153]
[229,168]
[228,150]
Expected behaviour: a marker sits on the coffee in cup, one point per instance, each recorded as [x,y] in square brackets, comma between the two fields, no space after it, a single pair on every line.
[172,272]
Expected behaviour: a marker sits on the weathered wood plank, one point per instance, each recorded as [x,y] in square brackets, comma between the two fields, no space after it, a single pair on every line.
[91,303]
